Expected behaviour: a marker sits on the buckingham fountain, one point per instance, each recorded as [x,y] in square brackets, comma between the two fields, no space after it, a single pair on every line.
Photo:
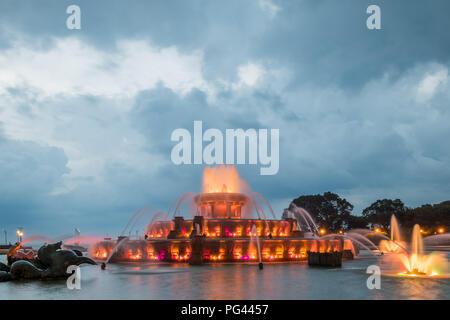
[226,223]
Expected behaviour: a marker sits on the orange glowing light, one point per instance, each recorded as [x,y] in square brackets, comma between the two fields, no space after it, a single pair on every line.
[378,230]
[221,179]
[322,231]
[441,230]
[416,262]
[434,274]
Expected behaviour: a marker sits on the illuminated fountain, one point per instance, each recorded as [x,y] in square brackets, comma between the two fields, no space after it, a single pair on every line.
[305,222]
[395,244]
[416,263]
[221,225]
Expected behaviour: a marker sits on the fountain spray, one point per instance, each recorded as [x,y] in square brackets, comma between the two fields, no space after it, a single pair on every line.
[255,232]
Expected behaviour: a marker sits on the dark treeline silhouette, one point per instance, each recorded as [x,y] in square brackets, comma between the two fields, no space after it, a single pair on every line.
[335,213]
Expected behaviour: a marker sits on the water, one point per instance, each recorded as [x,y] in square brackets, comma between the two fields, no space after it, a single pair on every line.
[395,230]
[301,214]
[416,243]
[395,242]
[136,217]
[116,247]
[438,240]
[159,216]
[417,262]
[362,239]
[353,240]
[36,238]
[265,201]
[223,179]
[254,238]
[228,281]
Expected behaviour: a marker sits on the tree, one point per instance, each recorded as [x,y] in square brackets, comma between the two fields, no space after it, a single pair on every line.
[429,216]
[380,212]
[328,210]
[357,222]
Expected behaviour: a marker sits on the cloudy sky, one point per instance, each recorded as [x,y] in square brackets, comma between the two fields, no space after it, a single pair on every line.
[86,115]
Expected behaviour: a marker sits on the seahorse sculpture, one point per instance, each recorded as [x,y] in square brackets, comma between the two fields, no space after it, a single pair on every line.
[51,263]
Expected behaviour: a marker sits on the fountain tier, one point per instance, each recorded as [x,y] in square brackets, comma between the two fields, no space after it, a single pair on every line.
[205,240]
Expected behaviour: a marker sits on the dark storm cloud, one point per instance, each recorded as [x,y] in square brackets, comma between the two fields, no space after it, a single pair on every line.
[29,172]
[325,41]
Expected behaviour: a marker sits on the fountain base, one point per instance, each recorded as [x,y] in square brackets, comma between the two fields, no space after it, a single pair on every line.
[325,259]
[213,240]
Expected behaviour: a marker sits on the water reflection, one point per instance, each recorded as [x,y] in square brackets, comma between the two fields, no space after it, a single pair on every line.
[227,281]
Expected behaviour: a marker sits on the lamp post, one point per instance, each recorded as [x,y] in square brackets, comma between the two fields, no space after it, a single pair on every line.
[6,236]
[20,234]
[77,236]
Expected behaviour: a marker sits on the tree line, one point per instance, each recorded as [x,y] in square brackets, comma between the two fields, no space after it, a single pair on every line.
[335,214]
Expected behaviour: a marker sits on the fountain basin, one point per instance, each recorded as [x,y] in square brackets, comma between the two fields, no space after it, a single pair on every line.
[183,244]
